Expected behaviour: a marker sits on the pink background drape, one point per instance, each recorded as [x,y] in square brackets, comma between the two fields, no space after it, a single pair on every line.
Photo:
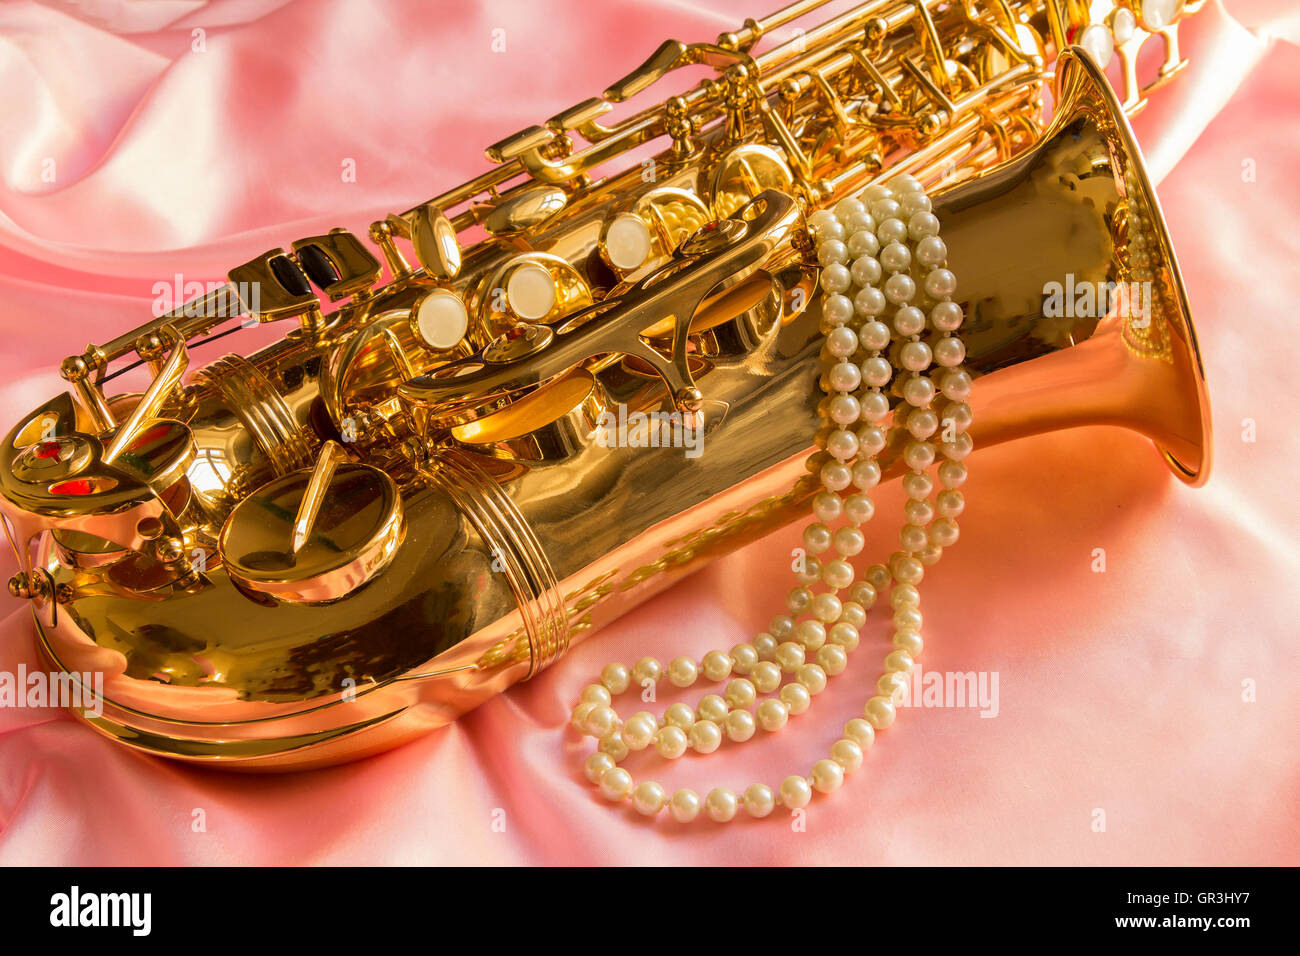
[1121,691]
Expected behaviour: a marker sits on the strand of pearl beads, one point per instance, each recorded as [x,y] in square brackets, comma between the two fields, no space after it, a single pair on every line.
[863,248]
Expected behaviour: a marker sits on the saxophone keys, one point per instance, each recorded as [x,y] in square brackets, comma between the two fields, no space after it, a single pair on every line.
[440,320]
[743,173]
[355,529]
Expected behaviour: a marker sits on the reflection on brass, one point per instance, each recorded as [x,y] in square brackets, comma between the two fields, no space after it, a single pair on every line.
[323,548]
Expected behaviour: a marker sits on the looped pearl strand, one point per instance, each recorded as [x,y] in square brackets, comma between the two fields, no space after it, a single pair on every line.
[881,260]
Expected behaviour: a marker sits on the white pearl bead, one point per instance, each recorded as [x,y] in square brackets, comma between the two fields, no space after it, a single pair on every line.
[838,308]
[923,224]
[914,201]
[679,715]
[616,784]
[915,356]
[796,698]
[596,766]
[880,712]
[863,246]
[821,218]
[874,335]
[614,745]
[772,715]
[899,660]
[860,222]
[854,614]
[900,288]
[647,669]
[946,316]
[931,251]
[717,665]
[874,192]
[765,645]
[832,659]
[845,409]
[671,742]
[944,533]
[891,232]
[836,476]
[842,444]
[720,805]
[828,506]
[810,635]
[843,342]
[952,474]
[909,641]
[838,574]
[816,538]
[845,376]
[743,657]
[759,801]
[795,792]
[871,439]
[684,805]
[956,385]
[847,754]
[847,207]
[875,407]
[843,635]
[616,678]
[866,269]
[909,320]
[876,373]
[706,736]
[918,455]
[895,257]
[940,283]
[683,672]
[870,301]
[790,656]
[767,677]
[922,422]
[831,252]
[860,732]
[596,694]
[836,277]
[649,798]
[859,508]
[712,707]
[740,692]
[827,776]
[639,732]
[904,183]
[959,448]
[849,542]
[912,538]
[947,352]
[918,391]
[812,677]
[739,725]
[885,209]
[600,721]
[950,503]
[866,474]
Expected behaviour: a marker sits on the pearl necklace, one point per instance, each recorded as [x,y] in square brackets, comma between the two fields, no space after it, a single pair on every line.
[871,233]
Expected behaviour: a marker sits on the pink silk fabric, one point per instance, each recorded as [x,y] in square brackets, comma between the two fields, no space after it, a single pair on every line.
[1159,697]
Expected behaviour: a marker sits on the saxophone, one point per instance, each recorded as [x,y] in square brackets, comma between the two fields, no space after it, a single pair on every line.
[410,501]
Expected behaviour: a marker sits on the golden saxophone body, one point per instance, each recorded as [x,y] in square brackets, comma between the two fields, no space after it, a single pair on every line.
[411,501]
